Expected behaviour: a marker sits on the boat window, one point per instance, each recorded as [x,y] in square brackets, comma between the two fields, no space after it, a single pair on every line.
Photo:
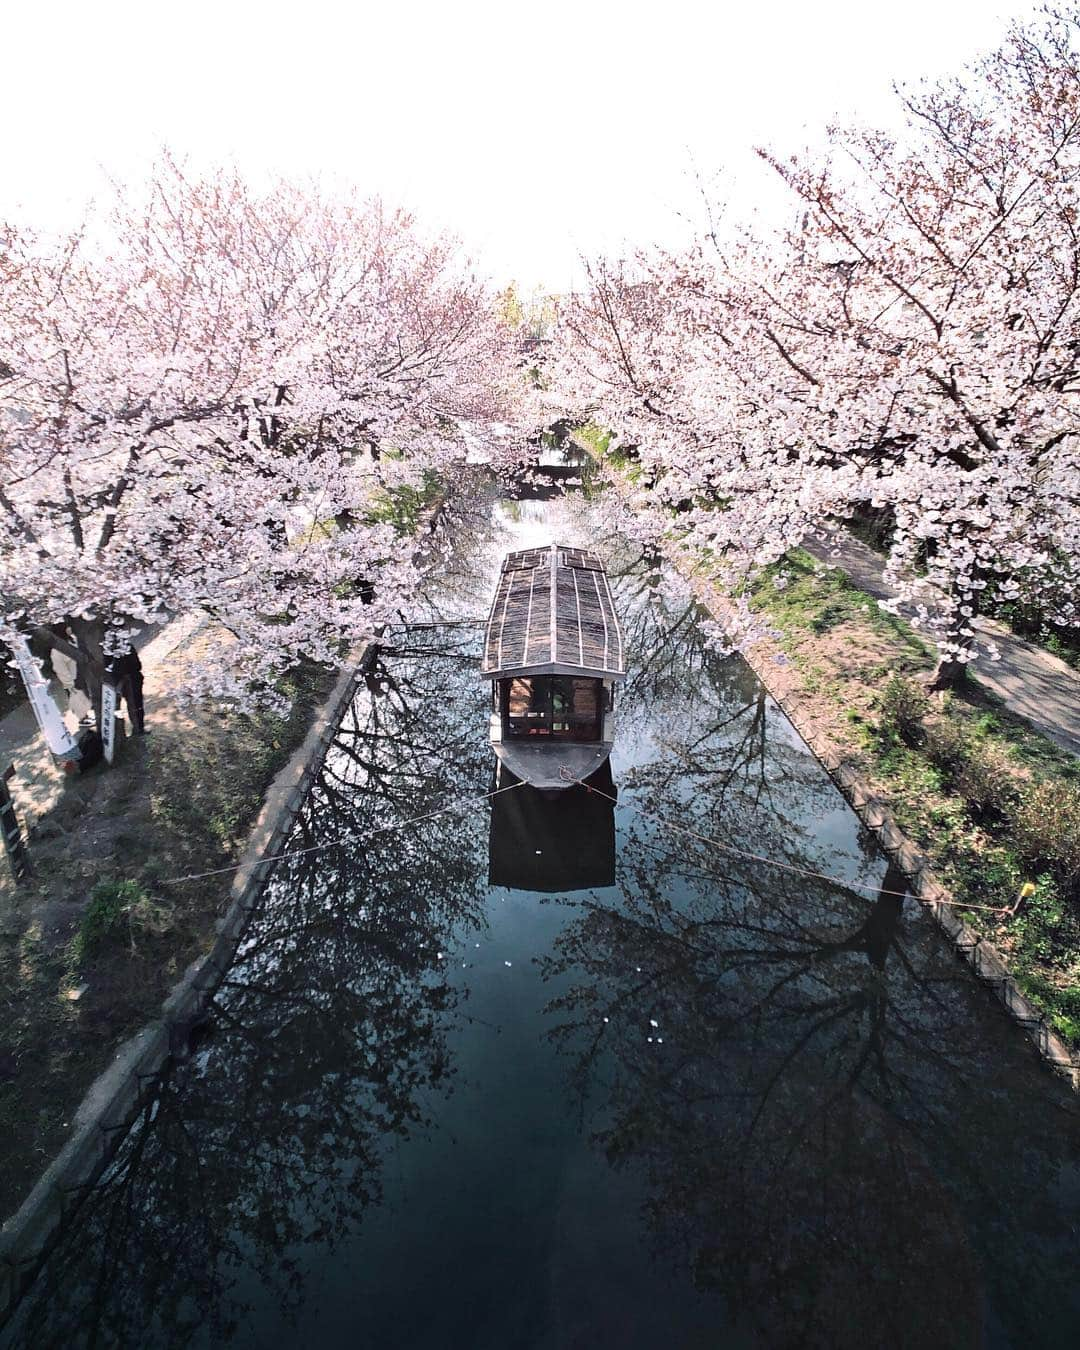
[561,706]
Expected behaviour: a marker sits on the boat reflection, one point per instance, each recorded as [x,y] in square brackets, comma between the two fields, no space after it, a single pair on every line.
[553,842]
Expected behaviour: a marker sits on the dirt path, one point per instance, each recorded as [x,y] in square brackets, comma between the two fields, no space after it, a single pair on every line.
[1030,681]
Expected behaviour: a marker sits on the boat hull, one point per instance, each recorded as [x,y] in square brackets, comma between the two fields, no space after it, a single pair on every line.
[553,766]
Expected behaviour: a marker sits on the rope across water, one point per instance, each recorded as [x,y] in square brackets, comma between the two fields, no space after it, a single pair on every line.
[567,776]
[346,838]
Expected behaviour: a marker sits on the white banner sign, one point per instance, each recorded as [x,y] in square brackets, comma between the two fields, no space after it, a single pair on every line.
[49,718]
[108,720]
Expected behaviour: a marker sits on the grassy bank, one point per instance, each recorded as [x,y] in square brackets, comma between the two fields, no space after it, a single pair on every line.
[109,931]
[993,804]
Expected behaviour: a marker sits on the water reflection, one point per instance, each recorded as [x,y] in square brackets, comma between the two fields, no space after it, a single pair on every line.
[327,1041]
[837,1135]
[457,1093]
[548,842]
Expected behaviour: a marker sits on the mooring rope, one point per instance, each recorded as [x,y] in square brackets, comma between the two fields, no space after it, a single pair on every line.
[345,838]
[567,776]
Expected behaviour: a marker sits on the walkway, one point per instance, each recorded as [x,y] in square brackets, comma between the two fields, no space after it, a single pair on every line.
[1030,681]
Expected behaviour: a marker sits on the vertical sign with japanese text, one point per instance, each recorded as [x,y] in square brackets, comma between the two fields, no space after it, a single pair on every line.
[108,719]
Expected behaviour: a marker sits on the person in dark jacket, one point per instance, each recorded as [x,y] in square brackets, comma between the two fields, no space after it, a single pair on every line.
[126,672]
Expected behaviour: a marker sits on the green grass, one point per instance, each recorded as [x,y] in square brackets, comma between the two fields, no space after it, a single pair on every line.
[813,599]
[596,442]
[593,439]
[1065,1003]
[957,789]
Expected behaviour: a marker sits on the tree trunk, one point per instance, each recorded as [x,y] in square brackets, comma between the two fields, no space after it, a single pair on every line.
[948,674]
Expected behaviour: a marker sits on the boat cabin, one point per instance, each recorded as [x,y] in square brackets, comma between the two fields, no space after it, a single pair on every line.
[553,652]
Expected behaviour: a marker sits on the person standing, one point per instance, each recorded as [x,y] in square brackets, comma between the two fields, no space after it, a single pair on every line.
[126,672]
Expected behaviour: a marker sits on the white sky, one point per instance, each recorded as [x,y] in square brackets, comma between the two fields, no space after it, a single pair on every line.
[532,131]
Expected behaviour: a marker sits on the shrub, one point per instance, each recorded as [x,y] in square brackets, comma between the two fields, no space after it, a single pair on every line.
[985,780]
[1046,829]
[115,906]
[902,706]
[981,774]
[948,747]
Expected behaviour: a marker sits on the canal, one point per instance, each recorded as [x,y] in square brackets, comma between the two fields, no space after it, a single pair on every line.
[553,1074]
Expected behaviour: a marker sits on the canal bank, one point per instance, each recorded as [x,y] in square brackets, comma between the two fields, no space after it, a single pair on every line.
[115,1097]
[828,664]
[870,800]
[692,1101]
[93,943]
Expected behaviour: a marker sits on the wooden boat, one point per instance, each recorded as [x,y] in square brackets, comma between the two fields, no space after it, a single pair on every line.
[553,651]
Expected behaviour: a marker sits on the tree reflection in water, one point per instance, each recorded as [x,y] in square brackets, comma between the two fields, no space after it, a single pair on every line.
[837,1131]
[327,1042]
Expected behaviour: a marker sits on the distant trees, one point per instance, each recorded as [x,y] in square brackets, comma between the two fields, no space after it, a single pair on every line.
[206,407]
[912,345]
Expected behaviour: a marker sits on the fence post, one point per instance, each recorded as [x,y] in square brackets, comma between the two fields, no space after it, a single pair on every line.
[14,845]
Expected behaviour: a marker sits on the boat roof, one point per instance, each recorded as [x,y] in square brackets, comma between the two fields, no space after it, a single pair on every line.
[553,615]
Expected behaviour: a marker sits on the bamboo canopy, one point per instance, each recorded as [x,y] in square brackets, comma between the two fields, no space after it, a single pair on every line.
[553,615]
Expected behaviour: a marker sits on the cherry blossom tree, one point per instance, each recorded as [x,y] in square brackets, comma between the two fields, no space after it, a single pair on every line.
[911,345]
[208,405]
[933,314]
[665,353]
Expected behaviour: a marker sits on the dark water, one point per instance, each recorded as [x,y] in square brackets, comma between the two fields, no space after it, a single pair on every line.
[703,1103]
